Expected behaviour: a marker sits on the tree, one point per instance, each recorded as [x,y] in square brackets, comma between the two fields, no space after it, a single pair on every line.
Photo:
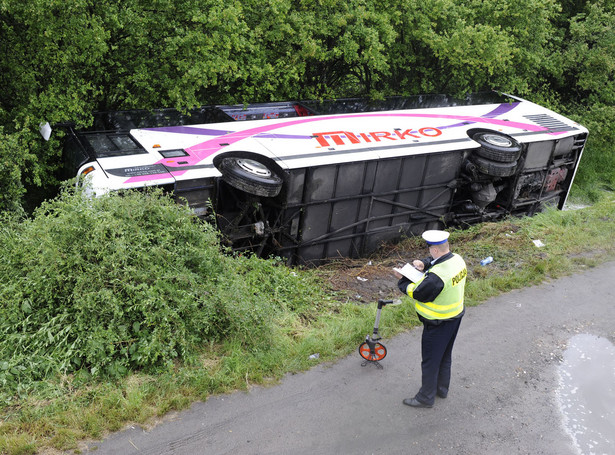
[588,57]
[47,73]
[451,47]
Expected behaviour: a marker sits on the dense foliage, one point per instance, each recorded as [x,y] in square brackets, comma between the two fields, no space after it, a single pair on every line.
[127,282]
[63,60]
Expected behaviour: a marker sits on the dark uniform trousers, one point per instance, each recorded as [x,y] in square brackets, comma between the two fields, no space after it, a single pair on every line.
[437,349]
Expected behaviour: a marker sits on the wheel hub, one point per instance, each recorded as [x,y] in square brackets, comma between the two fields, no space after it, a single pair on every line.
[495,139]
[253,167]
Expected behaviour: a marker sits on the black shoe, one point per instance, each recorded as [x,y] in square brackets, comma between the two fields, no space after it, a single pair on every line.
[442,395]
[416,403]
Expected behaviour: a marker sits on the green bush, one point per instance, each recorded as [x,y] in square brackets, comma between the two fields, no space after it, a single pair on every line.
[596,171]
[125,282]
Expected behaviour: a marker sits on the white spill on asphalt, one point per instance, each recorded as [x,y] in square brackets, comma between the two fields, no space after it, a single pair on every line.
[586,393]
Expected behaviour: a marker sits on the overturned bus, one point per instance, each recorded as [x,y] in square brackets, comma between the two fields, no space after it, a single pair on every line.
[320,179]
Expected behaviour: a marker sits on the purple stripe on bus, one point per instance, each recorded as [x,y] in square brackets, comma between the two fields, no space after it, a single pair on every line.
[500,110]
[189,130]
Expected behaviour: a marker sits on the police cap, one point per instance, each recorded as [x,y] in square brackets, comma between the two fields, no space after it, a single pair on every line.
[434,237]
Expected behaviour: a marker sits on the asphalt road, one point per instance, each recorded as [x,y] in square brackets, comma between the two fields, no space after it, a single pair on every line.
[503,397]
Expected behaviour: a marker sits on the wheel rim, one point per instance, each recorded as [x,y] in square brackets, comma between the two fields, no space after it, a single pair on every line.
[497,140]
[364,351]
[253,167]
[380,351]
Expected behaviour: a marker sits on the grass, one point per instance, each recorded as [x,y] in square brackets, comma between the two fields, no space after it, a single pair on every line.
[68,411]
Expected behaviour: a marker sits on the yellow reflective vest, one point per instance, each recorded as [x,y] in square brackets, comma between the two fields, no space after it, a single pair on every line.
[449,302]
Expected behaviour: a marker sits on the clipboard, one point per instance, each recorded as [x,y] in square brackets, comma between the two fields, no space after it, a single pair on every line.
[410,272]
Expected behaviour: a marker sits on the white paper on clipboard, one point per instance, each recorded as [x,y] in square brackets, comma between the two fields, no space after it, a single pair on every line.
[410,272]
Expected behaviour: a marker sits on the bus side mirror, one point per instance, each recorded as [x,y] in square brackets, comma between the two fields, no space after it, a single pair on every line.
[45,130]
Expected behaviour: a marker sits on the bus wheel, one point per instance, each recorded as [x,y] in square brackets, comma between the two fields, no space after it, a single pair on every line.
[251,176]
[497,147]
[493,168]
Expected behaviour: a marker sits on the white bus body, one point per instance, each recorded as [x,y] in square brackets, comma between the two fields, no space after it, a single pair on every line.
[310,181]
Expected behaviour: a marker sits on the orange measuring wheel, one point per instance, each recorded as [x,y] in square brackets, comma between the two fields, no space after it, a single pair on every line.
[379,352]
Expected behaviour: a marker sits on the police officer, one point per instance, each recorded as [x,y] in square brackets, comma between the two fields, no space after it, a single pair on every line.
[438,300]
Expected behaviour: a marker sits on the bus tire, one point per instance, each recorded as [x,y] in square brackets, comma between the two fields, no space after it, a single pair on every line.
[250,175]
[493,168]
[497,147]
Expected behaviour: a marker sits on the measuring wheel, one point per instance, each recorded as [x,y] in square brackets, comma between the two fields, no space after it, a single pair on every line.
[379,352]
[370,349]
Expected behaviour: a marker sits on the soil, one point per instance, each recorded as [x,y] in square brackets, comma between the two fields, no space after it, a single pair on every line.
[369,279]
